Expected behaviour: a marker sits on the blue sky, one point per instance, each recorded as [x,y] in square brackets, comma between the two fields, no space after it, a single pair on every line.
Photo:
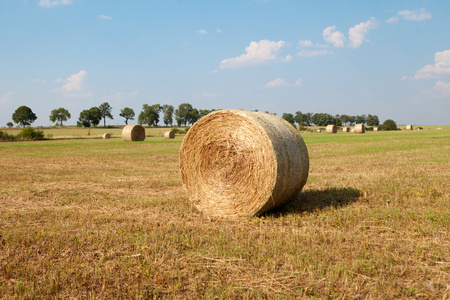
[388,58]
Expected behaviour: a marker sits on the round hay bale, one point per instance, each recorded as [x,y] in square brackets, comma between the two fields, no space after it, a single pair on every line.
[345,129]
[106,136]
[133,133]
[319,131]
[409,127]
[331,128]
[237,163]
[375,128]
[359,128]
[169,134]
[352,130]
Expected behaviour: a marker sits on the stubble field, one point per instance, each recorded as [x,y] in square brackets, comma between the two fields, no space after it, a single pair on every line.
[92,218]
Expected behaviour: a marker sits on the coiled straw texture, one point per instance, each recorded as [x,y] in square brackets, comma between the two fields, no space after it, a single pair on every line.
[331,128]
[237,163]
[133,133]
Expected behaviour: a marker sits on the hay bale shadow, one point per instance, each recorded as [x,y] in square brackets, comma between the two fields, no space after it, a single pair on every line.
[314,200]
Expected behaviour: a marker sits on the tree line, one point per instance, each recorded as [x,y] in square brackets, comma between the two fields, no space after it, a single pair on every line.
[184,115]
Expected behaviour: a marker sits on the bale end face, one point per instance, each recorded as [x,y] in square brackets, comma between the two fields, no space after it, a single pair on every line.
[409,127]
[133,133]
[359,128]
[331,129]
[106,136]
[237,163]
[169,134]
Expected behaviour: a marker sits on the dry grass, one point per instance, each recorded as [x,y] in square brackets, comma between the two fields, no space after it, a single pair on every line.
[107,219]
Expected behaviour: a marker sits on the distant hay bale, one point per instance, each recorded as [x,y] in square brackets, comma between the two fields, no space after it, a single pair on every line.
[318,130]
[345,129]
[352,130]
[169,134]
[409,127]
[359,128]
[237,163]
[133,133]
[106,136]
[331,128]
[375,128]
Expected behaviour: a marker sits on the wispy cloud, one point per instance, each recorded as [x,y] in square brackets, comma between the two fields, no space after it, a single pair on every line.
[218,30]
[357,34]
[6,98]
[104,17]
[38,80]
[75,81]
[277,82]
[257,53]
[310,53]
[441,66]
[208,95]
[415,15]
[333,36]
[281,82]
[410,15]
[202,31]
[51,3]
[441,89]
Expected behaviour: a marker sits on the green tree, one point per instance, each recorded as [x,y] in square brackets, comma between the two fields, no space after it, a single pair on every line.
[168,114]
[323,119]
[288,117]
[149,115]
[105,112]
[10,124]
[59,115]
[90,117]
[183,114]
[388,125]
[127,113]
[361,119]
[24,116]
[372,120]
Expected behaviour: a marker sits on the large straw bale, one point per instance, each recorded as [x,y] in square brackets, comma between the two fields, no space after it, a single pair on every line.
[331,128]
[237,163]
[106,136]
[359,128]
[133,133]
[409,127]
[169,134]
[345,129]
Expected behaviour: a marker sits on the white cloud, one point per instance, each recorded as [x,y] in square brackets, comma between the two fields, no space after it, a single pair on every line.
[441,66]
[201,31]
[6,98]
[441,89]
[392,20]
[50,3]
[104,17]
[38,80]
[357,34]
[208,95]
[277,82]
[75,82]
[280,82]
[305,43]
[417,15]
[256,53]
[336,38]
[132,94]
[218,30]
[310,53]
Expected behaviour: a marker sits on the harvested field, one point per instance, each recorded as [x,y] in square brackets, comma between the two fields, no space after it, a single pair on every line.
[90,218]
